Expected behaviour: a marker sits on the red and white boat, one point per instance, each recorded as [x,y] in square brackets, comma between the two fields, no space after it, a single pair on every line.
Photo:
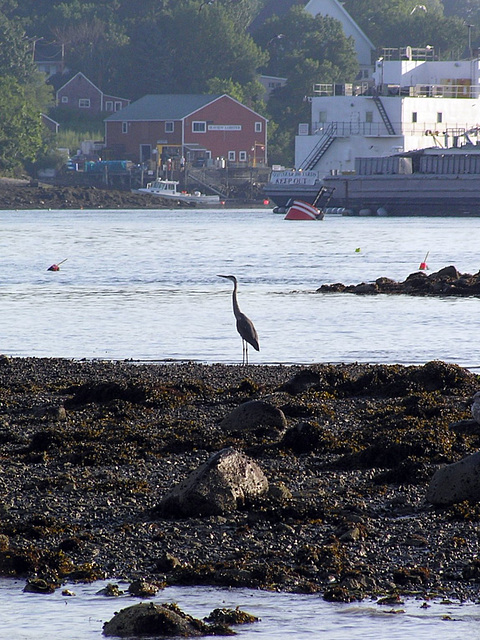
[300,210]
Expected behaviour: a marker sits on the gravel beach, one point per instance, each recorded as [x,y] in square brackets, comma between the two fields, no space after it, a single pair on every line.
[89,449]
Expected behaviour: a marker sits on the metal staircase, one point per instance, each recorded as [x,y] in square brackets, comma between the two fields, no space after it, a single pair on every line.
[383,113]
[320,148]
[211,187]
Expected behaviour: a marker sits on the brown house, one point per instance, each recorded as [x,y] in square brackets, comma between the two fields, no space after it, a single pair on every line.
[80,93]
[199,129]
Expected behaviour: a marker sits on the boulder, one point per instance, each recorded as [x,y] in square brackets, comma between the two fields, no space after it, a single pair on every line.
[228,480]
[254,416]
[456,482]
[476,407]
[158,621]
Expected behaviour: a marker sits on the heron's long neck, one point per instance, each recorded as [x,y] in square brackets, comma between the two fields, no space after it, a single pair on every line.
[236,308]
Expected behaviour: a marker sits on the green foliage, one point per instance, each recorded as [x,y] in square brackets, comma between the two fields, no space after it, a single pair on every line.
[183,47]
[21,132]
[398,23]
[250,94]
[305,50]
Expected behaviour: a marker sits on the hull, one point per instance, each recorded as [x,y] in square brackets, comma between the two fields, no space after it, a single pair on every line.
[407,195]
[300,210]
[187,198]
[392,195]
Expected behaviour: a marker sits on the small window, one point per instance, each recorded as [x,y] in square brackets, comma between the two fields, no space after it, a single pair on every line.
[322,116]
[439,117]
[231,156]
[118,105]
[258,127]
[108,105]
[64,99]
[169,127]
[199,126]
[84,103]
[242,156]
[124,127]
[414,116]
[369,116]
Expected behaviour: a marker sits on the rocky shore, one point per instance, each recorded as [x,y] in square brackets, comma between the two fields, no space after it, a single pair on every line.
[90,450]
[24,194]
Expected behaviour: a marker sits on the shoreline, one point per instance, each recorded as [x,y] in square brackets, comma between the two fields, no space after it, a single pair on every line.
[25,195]
[88,450]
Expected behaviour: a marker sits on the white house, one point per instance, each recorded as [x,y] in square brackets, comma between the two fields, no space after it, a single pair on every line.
[415,102]
[363,45]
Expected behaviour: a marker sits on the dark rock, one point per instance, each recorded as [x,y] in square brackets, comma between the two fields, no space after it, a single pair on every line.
[151,619]
[142,589]
[256,415]
[456,482]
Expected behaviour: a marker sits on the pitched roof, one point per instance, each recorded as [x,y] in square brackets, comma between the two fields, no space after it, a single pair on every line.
[163,107]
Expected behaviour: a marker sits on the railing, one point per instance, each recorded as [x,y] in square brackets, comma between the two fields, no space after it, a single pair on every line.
[471,91]
[343,129]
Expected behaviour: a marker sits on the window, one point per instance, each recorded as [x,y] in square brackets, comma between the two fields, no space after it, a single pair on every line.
[199,126]
[439,117]
[242,156]
[414,116]
[322,116]
[118,105]
[108,105]
[64,99]
[169,127]
[231,156]
[369,116]
[84,103]
[258,127]
[124,127]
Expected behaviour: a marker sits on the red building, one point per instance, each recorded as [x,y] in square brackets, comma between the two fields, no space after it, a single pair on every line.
[80,93]
[200,129]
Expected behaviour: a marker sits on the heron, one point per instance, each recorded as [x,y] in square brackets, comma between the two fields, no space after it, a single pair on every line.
[245,327]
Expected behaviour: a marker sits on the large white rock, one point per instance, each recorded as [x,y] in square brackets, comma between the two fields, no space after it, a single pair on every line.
[476,407]
[456,482]
[226,481]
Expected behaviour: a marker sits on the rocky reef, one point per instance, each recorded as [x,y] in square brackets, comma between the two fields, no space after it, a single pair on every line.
[445,282]
[153,474]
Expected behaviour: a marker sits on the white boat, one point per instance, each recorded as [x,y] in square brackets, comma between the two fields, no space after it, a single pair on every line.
[168,189]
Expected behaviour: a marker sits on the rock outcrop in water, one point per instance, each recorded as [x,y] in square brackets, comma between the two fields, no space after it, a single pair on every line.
[446,282]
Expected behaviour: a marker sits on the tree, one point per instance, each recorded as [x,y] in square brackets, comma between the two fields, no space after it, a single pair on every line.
[20,127]
[185,46]
[398,23]
[305,50]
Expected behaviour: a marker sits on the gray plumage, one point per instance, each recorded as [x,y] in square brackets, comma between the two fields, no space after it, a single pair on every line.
[245,326]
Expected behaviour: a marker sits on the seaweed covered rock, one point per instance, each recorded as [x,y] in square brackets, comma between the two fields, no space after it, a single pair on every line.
[445,282]
[164,620]
[256,415]
[227,480]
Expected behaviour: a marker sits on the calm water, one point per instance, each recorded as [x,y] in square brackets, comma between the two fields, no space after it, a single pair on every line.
[143,285]
[300,617]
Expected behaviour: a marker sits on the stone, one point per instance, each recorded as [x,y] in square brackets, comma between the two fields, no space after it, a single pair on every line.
[156,620]
[476,407]
[228,480]
[456,482]
[253,416]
